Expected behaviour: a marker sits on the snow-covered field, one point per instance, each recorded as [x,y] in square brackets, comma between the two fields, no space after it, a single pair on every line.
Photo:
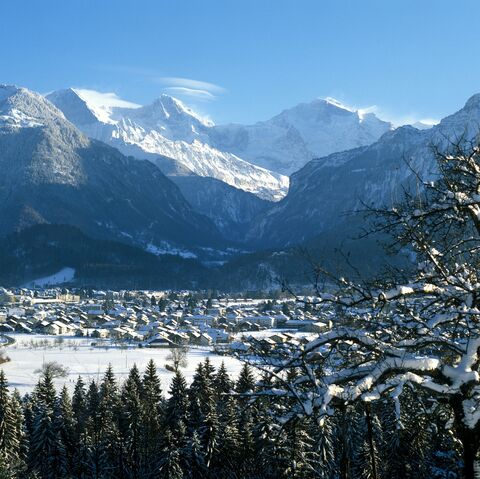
[30,351]
[63,276]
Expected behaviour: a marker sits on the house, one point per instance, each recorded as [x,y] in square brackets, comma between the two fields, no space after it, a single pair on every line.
[219,335]
[200,339]
[160,341]
[93,311]
[22,327]
[6,328]
[244,326]
[266,322]
[6,296]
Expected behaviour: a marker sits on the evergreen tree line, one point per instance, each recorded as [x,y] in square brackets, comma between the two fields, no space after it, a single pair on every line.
[214,428]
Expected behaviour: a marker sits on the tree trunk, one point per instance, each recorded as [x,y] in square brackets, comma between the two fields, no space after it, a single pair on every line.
[470,448]
[371,441]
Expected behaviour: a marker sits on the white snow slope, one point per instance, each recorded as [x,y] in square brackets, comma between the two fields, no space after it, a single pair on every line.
[167,128]
[63,276]
[288,141]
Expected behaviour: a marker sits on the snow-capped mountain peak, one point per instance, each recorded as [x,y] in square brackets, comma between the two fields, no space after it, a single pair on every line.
[164,128]
[172,107]
[88,106]
[289,140]
[22,108]
[103,105]
[363,114]
[333,101]
[172,118]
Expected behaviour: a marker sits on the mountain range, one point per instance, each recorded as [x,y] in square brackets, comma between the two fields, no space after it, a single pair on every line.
[170,135]
[52,173]
[163,180]
[326,191]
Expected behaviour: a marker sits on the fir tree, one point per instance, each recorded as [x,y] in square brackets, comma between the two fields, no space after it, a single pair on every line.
[195,458]
[177,403]
[202,409]
[47,451]
[91,453]
[79,406]
[131,426]
[152,414]
[222,384]
[65,424]
[16,407]
[170,461]
[246,380]
[111,450]
[226,459]
[10,431]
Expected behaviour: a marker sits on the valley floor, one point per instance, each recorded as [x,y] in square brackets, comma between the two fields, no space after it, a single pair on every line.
[29,352]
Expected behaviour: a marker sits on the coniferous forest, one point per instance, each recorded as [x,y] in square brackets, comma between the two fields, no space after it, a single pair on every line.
[213,428]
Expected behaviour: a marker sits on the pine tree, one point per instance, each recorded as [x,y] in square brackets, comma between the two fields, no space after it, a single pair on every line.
[195,458]
[177,403]
[91,438]
[324,448]
[18,415]
[10,432]
[170,461]
[203,409]
[131,423]
[111,447]
[226,459]
[246,380]
[265,448]
[245,384]
[152,414]
[222,384]
[208,369]
[66,427]
[79,406]
[407,445]
[47,451]
[294,457]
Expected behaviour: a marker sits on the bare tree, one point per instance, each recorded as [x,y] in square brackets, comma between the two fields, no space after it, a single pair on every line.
[423,333]
[54,369]
[178,358]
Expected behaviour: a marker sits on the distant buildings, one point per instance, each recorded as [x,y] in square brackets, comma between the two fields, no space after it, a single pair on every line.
[155,319]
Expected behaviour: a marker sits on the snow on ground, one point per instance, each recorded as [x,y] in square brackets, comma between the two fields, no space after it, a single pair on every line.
[166,248]
[30,351]
[63,276]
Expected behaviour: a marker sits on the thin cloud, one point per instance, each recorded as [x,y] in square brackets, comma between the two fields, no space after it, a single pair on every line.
[190,92]
[411,119]
[190,84]
[383,114]
[188,88]
[199,90]
[107,99]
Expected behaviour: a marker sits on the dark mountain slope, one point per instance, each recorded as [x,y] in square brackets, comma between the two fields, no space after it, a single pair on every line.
[52,173]
[43,250]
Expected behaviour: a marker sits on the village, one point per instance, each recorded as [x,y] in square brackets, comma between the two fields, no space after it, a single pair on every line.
[153,319]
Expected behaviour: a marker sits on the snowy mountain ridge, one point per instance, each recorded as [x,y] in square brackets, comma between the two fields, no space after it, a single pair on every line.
[291,139]
[255,158]
[53,174]
[166,128]
[324,194]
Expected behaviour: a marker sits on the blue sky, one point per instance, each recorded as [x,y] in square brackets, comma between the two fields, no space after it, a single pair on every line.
[246,60]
